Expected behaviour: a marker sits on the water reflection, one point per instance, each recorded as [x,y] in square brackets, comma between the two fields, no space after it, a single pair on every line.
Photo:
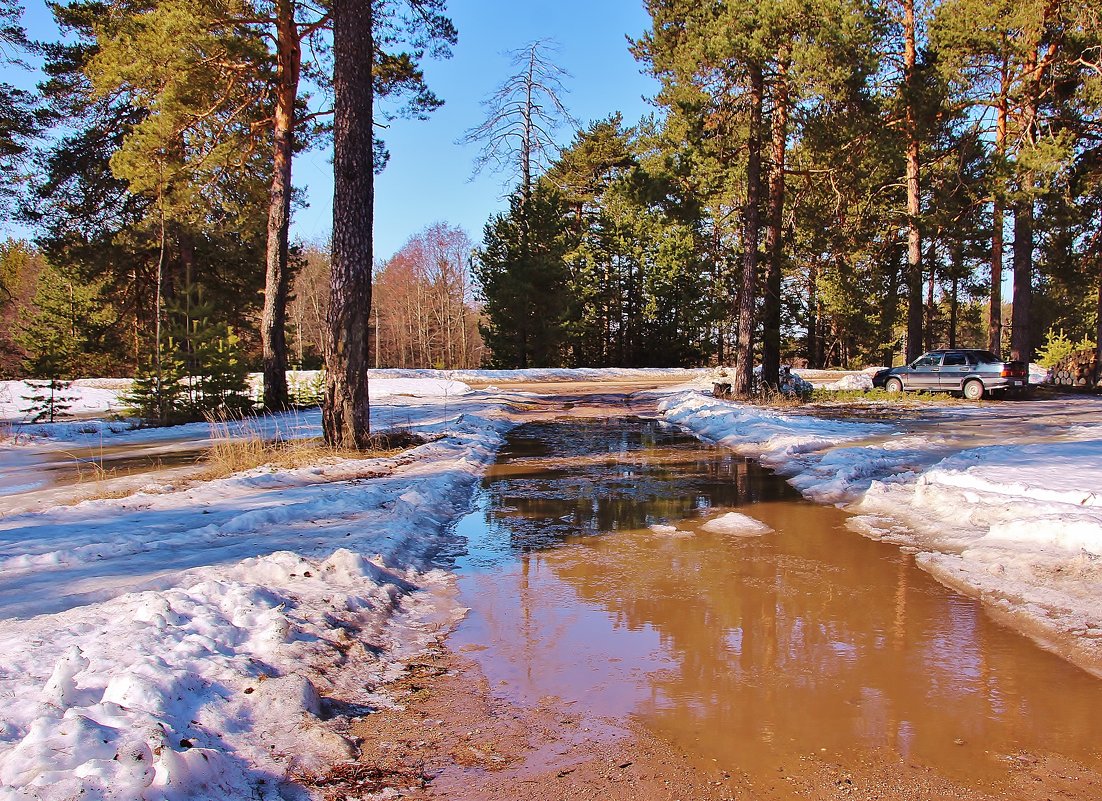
[556,481]
[747,651]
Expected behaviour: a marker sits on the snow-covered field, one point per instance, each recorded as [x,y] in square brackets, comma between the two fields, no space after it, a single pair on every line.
[1002,503]
[202,642]
[105,396]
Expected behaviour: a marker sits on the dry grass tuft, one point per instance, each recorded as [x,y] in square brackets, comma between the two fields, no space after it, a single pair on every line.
[235,453]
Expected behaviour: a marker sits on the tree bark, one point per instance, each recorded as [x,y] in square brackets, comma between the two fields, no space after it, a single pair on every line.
[914,235]
[995,306]
[931,284]
[1098,324]
[1021,348]
[887,321]
[346,412]
[771,336]
[744,355]
[273,324]
[954,292]
[812,315]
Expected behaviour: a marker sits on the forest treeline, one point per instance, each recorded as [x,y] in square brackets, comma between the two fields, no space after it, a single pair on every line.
[833,182]
[823,182]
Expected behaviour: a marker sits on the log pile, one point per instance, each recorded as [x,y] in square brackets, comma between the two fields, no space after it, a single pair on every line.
[1077,370]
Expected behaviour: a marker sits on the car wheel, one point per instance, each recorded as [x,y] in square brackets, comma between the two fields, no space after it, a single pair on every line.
[973,390]
[893,385]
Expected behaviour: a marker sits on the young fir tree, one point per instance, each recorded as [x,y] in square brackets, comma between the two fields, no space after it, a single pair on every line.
[200,372]
[65,314]
[521,269]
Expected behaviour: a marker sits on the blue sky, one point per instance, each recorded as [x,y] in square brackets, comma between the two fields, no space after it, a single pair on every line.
[427,179]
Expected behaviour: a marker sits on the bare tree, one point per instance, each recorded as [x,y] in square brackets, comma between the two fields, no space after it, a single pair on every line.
[424,311]
[309,304]
[522,116]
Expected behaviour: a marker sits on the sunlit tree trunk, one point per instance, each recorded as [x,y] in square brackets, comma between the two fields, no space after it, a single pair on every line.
[995,305]
[1020,344]
[273,336]
[1098,323]
[744,356]
[346,413]
[914,235]
[771,336]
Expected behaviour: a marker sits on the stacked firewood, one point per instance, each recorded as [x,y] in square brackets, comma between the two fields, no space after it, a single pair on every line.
[1077,370]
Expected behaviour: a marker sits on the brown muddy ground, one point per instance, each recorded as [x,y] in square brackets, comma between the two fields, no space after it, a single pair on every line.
[452,738]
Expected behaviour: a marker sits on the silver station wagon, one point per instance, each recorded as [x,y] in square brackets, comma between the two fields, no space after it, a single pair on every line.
[973,373]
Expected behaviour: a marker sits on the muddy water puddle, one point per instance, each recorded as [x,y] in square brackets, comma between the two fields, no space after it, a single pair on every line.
[592,576]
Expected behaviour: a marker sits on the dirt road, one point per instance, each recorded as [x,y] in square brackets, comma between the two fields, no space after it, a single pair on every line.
[454,736]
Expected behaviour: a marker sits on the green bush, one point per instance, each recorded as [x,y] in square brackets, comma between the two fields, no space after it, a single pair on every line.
[1058,347]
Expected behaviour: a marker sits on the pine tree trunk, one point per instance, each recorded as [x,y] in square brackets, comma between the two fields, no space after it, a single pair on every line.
[744,354]
[889,315]
[954,293]
[771,335]
[1020,346]
[812,316]
[914,236]
[1098,324]
[995,306]
[273,334]
[931,284]
[346,412]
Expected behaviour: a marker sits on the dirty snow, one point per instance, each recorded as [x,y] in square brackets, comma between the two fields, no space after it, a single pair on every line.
[1016,521]
[206,642]
[854,381]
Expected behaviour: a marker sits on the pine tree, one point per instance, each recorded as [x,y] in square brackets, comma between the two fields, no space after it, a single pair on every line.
[19,120]
[522,272]
[366,64]
[149,202]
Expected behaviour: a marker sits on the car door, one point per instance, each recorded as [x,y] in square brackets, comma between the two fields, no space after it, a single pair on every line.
[955,368]
[925,372]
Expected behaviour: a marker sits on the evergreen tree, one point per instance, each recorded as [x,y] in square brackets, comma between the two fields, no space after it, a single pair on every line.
[522,272]
[122,199]
[200,372]
[19,120]
[66,316]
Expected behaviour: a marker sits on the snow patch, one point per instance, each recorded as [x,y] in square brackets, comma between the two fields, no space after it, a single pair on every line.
[737,525]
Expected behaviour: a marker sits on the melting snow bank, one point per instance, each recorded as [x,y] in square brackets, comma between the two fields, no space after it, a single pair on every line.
[230,679]
[1018,526]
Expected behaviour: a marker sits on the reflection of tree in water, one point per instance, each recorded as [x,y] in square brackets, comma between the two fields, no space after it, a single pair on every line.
[796,643]
[808,638]
[557,480]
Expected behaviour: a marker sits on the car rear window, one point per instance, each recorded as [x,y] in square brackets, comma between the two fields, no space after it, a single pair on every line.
[955,359]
